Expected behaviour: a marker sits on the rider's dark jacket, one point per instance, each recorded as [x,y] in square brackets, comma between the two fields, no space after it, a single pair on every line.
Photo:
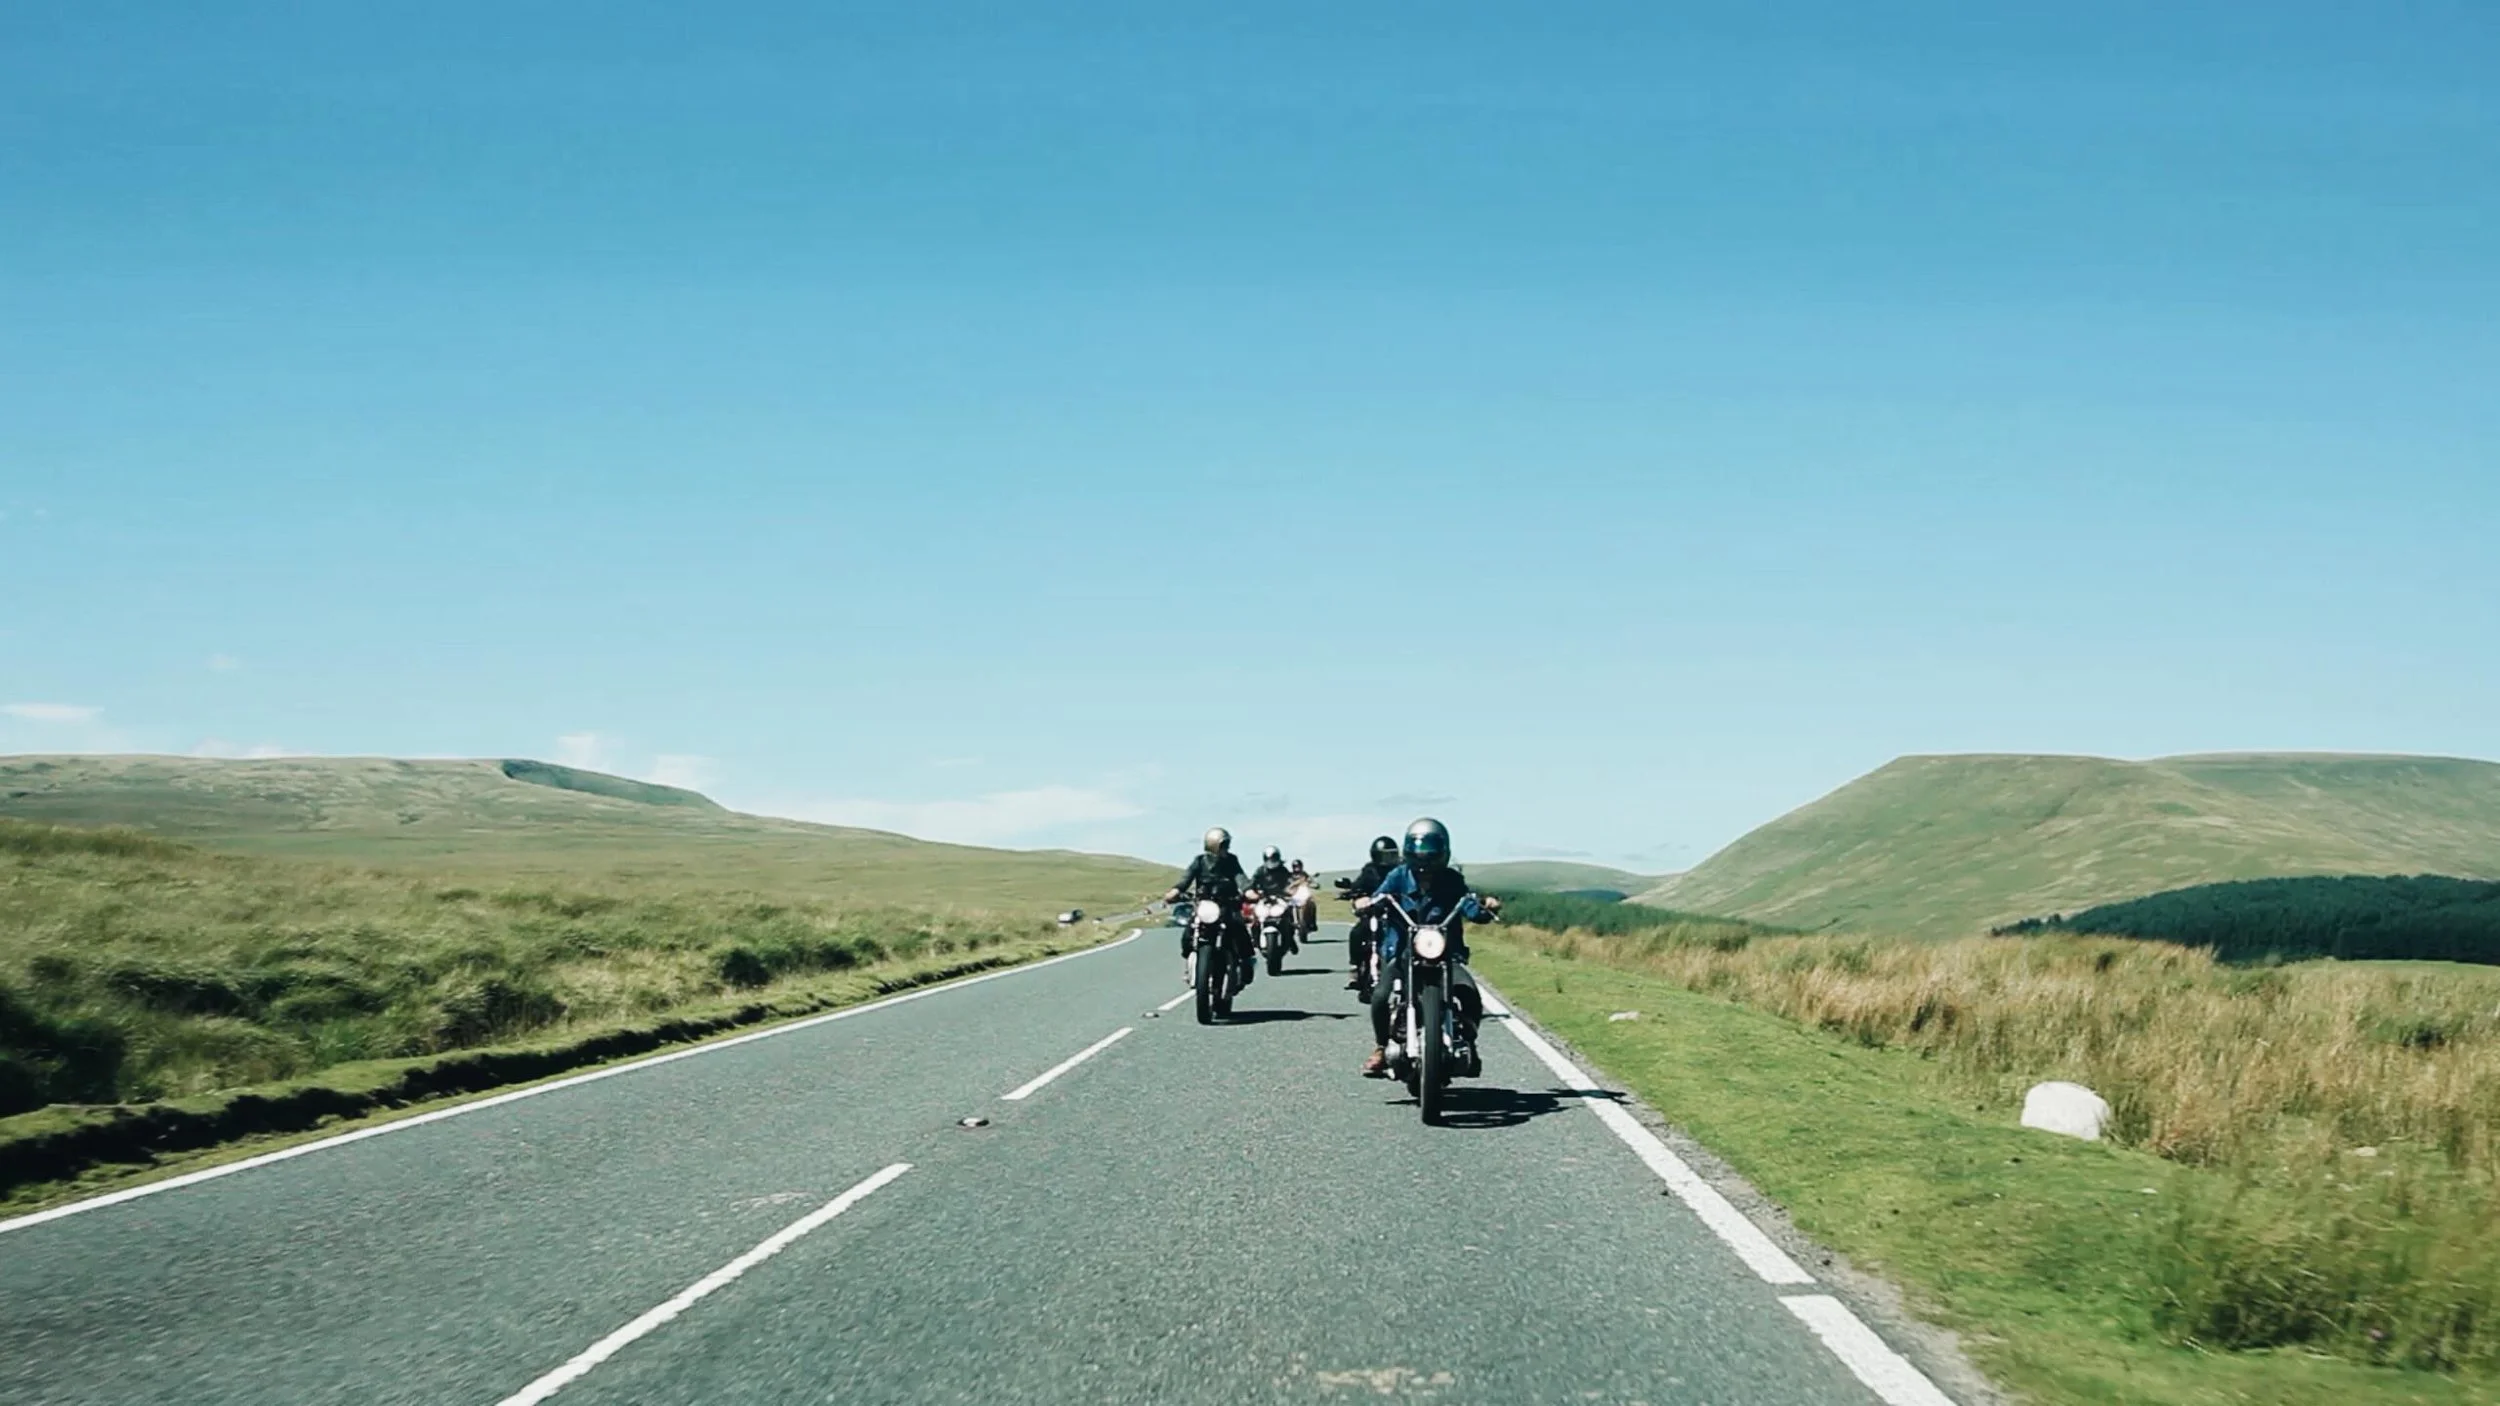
[1367,882]
[1216,876]
[1272,879]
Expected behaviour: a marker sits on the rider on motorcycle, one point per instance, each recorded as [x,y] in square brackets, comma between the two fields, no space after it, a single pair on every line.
[1215,875]
[1384,858]
[1430,891]
[1305,914]
[1274,880]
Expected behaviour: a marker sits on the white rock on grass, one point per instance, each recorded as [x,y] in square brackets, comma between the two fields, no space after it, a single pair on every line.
[2070,1109]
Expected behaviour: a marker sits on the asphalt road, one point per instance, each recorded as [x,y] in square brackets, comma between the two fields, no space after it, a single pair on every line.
[1186,1215]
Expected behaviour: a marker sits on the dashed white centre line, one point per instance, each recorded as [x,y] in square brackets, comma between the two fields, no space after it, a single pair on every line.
[1028,1090]
[1176,1000]
[461,1110]
[694,1293]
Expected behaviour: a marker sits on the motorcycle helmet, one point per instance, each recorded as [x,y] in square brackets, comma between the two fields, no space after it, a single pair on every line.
[1427,848]
[1271,855]
[1219,840]
[1384,851]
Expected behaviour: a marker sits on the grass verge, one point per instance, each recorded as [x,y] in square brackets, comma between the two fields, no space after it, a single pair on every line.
[2052,1258]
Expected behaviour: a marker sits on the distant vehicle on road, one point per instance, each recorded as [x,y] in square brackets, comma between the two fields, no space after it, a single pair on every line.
[1071,917]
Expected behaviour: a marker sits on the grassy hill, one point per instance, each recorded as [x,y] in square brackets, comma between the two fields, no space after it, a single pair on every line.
[504,822]
[1556,876]
[1948,845]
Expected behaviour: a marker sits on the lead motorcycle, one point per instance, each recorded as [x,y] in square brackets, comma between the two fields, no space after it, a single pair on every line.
[1434,1009]
[1214,972]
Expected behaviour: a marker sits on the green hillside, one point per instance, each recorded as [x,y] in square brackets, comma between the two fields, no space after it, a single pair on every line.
[525,821]
[1948,845]
[1556,876]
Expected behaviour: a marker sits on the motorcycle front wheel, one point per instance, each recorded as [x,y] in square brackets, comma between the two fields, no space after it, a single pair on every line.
[1432,1062]
[1204,983]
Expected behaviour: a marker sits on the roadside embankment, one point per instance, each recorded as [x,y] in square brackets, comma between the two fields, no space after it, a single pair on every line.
[2296,1206]
[66,1150]
[157,1000]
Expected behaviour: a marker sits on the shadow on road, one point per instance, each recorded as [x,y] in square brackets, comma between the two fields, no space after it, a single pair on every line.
[1475,1106]
[1261,1017]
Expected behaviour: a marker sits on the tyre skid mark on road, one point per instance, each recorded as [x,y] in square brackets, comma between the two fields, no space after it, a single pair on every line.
[400,1125]
[1887,1373]
[581,1363]
[1034,1085]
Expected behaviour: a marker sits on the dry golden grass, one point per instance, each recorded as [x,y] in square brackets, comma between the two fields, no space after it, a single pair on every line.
[2344,1119]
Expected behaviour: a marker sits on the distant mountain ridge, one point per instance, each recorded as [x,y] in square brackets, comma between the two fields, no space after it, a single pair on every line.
[1947,845]
[1556,876]
[541,822]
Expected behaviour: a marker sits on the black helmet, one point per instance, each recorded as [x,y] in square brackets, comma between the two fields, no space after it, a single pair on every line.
[1219,840]
[1427,848]
[1384,851]
[1271,855]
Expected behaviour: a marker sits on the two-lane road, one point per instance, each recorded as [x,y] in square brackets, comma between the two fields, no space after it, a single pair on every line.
[1170,1214]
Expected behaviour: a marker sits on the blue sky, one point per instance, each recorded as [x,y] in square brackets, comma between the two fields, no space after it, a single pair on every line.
[1607,428]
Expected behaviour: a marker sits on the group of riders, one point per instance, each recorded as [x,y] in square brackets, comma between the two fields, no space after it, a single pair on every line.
[1403,887]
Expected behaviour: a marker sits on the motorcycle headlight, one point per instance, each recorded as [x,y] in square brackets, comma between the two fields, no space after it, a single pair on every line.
[1431,943]
[1208,912]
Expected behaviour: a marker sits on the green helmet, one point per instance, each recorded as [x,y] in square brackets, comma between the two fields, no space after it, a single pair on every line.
[1219,840]
[1427,847]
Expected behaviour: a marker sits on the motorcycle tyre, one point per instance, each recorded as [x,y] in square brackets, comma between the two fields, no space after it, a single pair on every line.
[1205,983]
[1432,1062]
[1276,962]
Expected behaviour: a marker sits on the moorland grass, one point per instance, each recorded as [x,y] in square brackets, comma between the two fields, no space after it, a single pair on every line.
[2331,1132]
[133,969]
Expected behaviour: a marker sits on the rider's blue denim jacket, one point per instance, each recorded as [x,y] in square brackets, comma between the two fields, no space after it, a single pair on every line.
[1428,901]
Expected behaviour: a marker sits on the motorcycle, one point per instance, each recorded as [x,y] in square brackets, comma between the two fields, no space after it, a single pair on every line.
[1434,1012]
[1213,976]
[1305,913]
[1273,922]
[1362,946]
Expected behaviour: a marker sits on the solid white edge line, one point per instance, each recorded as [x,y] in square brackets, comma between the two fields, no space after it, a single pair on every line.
[1176,1000]
[1889,1374]
[419,1120]
[694,1293]
[1025,1091]
[1716,1211]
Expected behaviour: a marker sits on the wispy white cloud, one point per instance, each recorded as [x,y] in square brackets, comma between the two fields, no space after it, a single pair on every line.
[52,712]
[223,663]
[1327,841]
[587,750]
[681,769]
[1001,817]
[220,748]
